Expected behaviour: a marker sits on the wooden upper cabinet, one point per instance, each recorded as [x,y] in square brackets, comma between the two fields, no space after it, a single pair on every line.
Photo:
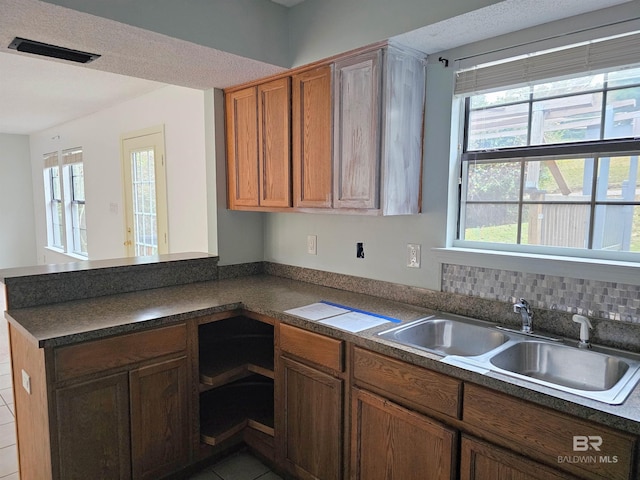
[242,148]
[378,122]
[312,133]
[274,140]
[356,110]
[258,145]
[345,136]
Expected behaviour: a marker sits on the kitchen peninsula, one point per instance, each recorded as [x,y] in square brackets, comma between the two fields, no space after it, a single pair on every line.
[176,359]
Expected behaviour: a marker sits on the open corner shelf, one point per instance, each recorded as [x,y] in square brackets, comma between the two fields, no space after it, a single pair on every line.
[236,357]
[228,409]
[236,379]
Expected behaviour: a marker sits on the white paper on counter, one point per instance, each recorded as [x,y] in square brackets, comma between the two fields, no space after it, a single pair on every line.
[354,321]
[317,311]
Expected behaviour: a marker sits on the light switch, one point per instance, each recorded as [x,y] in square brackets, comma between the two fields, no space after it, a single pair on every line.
[26,382]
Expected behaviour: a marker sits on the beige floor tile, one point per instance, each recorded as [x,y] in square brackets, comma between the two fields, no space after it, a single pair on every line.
[5,415]
[11,409]
[8,460]
[240,467]
[5,368]
[13,476]
[5,381]
[7,395]
[7,434]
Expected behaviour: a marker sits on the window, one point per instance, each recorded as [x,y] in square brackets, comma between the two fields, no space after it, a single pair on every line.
[75,173]
[64,191]
[53,191]
[553,163]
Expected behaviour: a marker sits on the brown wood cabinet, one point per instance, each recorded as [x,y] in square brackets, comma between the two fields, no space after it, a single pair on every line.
[391,442]
[159,418]
[118,408]
[243,178]
[355,136]
[93,429]
[258,145]
[481,461]
[546,435]
[312,402]
[310,417]
[312,134]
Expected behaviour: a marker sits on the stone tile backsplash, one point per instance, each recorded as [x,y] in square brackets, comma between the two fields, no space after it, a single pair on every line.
[606,300]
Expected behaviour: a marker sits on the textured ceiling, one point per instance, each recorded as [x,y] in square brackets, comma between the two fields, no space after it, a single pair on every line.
[28,88]
[497,19]
[36,94]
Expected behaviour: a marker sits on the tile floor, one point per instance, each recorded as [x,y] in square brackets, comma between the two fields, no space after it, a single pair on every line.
[8,450]
[239,466]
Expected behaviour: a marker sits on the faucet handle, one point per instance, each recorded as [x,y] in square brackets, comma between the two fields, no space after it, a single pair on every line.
[585,325]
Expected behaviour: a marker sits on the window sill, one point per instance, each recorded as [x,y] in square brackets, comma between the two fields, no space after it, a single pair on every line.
[572,267]
[60,251]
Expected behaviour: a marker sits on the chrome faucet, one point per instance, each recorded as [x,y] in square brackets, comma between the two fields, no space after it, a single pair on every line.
[524,309]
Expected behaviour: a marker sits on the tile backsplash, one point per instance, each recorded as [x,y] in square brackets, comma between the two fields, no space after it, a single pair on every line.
[606,300]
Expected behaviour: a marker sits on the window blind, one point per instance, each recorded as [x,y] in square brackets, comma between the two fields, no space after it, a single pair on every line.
[50,159]
[72,156]
[592,57]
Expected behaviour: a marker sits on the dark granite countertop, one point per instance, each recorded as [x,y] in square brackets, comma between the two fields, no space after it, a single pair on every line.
[89,319]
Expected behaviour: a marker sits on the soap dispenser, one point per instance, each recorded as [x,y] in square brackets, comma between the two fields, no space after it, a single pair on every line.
[585,325]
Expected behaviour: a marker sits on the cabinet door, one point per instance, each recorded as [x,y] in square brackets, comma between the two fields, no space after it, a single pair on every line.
[357,104]
[481,461]
[274,100]
[390,442]
[93,429]
[311,440]
[159,418]
[242,148]
[311,130]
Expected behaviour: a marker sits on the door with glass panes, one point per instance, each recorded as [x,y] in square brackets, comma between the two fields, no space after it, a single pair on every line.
[145,192]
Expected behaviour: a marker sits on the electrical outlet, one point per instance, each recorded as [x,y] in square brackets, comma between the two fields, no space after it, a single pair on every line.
[413,255]
[312,244]
[26,382]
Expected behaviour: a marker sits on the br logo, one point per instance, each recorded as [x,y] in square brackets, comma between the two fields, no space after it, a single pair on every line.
[583,443]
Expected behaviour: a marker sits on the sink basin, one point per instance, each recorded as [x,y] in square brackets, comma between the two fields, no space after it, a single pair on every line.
[562,365]
[446,336]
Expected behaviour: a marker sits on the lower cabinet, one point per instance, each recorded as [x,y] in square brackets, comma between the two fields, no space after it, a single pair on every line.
[128,425]
[121,407]
[93,429]
[311,385]
[312,402]
[159,420]
[482,461]
[391,442]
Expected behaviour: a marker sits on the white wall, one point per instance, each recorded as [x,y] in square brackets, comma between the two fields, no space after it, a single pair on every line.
[17,230]
[181,110]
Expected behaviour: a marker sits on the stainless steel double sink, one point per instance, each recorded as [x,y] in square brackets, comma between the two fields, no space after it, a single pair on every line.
[601,374]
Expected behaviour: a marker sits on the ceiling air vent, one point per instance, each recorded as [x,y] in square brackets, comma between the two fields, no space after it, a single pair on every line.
[39,48]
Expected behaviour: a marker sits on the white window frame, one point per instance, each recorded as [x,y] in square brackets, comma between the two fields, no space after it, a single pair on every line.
[62,161]
[534,259]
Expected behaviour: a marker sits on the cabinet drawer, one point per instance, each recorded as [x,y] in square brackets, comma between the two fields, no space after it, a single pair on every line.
[548,436]
[313,347]
[98,355]
[400,380]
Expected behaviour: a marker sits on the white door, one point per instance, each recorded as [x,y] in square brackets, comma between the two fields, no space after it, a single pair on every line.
[145,192]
